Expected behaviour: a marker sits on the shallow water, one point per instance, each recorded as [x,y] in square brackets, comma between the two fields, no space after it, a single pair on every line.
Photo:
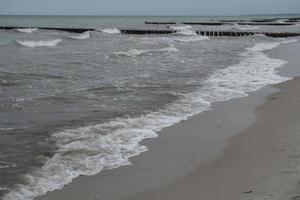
[74,104]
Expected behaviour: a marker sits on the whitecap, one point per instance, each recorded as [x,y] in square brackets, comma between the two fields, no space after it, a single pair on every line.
[131,52]
[111,30]
[270,45]
[81,36]
[191,38]
[7,164]
[7,129]
[182,27]
[245,27]
[41,43]
[184,30]
[89,150]
[135,52]
[27,30]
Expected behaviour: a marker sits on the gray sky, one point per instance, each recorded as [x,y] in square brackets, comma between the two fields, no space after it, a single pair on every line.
[149,7]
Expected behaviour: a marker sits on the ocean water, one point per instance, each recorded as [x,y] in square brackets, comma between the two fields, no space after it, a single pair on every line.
[75,104]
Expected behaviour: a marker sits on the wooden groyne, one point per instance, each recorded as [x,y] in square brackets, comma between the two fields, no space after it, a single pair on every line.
[293,19]
[248,20]
[143,32]
[72,30]
[205,23]
[258,23]
[160,23]
[240,34]
[189,23]
[262,20]
[289,23]
[265,24]
[211,33]
[167,31]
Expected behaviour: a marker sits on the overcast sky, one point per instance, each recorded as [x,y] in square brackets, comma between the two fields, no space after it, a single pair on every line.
[149,7]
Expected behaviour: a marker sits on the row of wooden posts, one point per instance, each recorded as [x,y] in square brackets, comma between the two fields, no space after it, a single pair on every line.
[212,33]
[223,23]
[170,31]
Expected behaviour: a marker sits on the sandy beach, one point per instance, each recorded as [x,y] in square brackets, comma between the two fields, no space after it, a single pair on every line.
[246,148]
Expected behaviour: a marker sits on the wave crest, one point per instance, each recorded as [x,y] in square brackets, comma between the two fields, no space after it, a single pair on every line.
[191,39]
[27,30]
[81,36]
[88,150]
[111,30]
[184,30]
[245,27]
[135,52]
[7,165]
[41,43]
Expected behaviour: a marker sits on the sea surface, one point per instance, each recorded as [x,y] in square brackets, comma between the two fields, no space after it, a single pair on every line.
[75,104]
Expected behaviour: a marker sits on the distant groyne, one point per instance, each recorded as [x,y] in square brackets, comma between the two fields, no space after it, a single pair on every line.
[221,23]
[212,33]
[168,31]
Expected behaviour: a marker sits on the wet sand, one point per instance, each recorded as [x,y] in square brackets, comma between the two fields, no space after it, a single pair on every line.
[262,162]
[245,148]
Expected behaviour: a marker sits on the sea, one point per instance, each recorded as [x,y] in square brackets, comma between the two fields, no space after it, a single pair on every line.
[75,104]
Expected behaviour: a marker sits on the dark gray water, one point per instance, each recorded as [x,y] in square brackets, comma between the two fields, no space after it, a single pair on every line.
[73,104]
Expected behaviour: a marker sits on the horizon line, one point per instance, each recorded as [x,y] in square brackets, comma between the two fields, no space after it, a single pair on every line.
[94,15]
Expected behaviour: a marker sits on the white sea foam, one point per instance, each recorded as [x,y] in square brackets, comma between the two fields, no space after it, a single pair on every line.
[270,45]
[190,38]
[111,30]
[88,150]
[27,30]
[136,52]
[182,27]
[7,129]
[81,36]
[184,30]
[245,27]
[41,43]
[282,21]
[132,52]
[7,165]
[174,38]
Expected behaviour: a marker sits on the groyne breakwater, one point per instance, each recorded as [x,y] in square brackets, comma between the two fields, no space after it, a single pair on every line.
[211,33]
[168,31]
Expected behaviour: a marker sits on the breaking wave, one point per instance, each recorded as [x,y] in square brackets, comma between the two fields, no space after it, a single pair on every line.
[89,150]
[191,38]
[184,30]
[6,164]
[136,52]
[81,36]
[41,43]
[27,30]
[245,27]
[111,30]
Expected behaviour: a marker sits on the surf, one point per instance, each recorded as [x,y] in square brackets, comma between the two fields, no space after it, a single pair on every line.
[27,30]
[80,36]
[89,150]
[40,43]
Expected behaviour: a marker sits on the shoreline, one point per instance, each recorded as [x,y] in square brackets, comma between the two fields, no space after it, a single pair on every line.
[261,162]
[166,169]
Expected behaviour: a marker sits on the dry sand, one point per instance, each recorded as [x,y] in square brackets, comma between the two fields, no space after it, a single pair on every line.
[246,148]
